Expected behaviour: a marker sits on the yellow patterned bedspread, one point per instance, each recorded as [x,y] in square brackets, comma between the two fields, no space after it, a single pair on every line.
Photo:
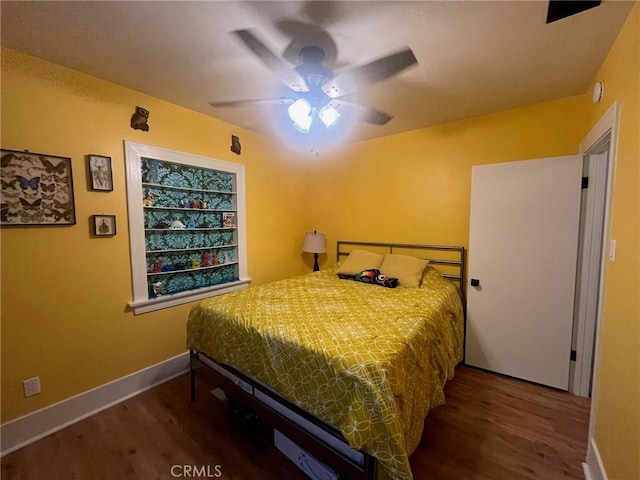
[370,360]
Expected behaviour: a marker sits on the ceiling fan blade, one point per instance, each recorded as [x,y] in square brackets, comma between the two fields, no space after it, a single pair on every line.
[362,113]
[287,75]
[259,101]
[358,77]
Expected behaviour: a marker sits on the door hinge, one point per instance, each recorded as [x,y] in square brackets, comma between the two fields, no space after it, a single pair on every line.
[585,182]
[572,357]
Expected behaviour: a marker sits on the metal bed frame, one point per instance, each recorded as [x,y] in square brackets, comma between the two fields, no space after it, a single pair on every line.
[259,398]
[456,262]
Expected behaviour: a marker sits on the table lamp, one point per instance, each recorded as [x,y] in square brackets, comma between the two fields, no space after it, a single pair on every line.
[315,243]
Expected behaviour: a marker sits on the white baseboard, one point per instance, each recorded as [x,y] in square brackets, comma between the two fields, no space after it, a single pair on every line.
[22,431]
[593,467]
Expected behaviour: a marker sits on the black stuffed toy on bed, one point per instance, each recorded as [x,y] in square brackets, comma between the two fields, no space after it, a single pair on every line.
[372,276]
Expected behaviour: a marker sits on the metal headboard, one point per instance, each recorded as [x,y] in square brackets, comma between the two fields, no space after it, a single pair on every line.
[450,257]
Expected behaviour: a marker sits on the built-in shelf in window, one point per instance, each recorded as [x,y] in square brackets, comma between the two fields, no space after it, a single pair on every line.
[186,226]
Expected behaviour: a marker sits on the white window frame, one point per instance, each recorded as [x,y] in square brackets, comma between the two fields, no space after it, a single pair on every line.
[141,303]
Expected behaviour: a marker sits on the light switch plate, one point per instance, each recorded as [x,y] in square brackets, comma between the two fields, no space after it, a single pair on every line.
[612,251]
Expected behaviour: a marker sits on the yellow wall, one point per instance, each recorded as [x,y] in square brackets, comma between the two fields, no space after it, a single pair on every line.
[64,294]
[617,409]
[415,187]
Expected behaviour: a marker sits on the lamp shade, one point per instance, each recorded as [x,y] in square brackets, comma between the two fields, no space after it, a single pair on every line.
[314,242]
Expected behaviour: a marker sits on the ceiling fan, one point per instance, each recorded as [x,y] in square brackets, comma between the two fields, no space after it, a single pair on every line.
[313,93]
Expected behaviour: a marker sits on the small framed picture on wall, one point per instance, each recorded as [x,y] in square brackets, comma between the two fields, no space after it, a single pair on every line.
[100,174]
[104,225]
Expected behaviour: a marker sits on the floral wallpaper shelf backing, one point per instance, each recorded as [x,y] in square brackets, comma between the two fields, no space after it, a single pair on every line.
[183,245]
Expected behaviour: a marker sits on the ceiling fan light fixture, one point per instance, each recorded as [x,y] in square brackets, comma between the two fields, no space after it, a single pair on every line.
[314,94]
[328,115]
[300,112]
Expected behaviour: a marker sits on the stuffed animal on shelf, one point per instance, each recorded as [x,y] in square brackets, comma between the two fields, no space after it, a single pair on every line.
[151,175]
[195,263]
[206,260]
[157,288]
[149,200]
[157,267]
[177,225]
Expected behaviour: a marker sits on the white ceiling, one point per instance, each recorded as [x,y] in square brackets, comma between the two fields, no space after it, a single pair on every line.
[475,57]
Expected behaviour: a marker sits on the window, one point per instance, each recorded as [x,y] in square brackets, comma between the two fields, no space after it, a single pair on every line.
[186,226]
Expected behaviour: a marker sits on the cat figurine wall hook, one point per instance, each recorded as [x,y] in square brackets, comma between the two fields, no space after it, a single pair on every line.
[139,119]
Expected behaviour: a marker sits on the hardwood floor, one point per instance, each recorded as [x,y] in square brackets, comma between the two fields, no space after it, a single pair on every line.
[492,427]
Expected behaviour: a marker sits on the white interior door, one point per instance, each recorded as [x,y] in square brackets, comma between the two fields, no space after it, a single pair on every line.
[522,249]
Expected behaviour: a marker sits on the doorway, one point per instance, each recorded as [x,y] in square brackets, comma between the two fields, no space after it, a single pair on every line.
[599,149]
[604,133]
[597,159]
[590,250]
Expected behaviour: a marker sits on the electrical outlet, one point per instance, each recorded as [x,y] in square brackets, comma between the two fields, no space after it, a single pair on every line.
[31,386]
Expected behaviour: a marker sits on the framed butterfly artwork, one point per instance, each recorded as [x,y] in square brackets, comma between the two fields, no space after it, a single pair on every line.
[37,189]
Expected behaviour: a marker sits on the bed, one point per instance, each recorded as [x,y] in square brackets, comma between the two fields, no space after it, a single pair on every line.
[344,370]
